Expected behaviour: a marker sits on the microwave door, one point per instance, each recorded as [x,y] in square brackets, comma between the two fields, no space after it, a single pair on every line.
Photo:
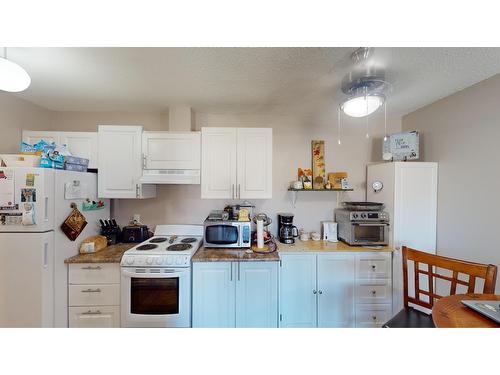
[222,234]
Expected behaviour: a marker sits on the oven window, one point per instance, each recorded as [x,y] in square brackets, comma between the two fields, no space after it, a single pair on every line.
[154,296]
[221,234]
[369,233]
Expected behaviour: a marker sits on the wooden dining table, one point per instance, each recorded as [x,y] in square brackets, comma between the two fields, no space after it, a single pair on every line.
[450,312]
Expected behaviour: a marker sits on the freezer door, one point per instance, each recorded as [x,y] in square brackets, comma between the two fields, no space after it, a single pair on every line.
[25,187]
[64,248]
[27,279]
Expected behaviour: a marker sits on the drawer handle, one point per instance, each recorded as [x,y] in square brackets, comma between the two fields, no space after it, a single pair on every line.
[374,317]
[91,290]
[374,292]
[90,312]
[91,268]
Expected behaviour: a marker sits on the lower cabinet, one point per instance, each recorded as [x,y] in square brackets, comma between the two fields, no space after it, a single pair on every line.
[341,289]
[235,294]
[94,295]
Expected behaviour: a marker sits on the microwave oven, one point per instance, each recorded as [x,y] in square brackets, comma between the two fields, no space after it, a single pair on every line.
[227,234]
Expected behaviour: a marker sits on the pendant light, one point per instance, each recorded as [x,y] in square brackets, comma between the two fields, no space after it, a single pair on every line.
[13,78]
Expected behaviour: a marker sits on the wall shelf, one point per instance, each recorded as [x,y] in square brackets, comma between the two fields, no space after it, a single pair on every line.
[295,191]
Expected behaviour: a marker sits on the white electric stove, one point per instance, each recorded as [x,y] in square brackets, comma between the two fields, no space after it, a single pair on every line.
[156,278]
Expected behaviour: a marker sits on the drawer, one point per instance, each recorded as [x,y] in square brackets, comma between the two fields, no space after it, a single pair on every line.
[94,294]
[369,316]
[94,273]
[94,317]
[373,291]
[373,266]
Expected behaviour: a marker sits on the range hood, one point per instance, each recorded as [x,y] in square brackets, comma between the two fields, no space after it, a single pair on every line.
[172,157]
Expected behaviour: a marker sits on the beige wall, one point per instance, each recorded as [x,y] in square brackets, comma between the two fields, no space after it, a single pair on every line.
[17,114]
[462,132]
[292,135]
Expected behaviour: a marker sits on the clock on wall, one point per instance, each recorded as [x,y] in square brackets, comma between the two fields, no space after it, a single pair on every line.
[377,186]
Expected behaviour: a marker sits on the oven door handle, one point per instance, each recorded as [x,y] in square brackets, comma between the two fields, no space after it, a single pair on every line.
[162,275]
[370,224]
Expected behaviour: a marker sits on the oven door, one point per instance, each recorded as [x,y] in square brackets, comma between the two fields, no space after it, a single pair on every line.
[370,233]
[222,235]
[155,297]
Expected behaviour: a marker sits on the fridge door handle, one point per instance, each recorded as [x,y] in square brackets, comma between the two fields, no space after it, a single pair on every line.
[45,255]
[46,208]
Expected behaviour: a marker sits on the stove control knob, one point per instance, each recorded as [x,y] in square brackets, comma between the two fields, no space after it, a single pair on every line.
[159,260]
[130,260]
[149,260]
[355,216]
[363,216]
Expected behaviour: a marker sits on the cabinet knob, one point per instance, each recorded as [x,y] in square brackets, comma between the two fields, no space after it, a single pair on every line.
[374,317]
[314,291]
[320,291]
[374,292]
[373,267]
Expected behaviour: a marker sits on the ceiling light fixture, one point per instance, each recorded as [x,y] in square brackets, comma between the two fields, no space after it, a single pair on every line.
[363,105]
[13,78]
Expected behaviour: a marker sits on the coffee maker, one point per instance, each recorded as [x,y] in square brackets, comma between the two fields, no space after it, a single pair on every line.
[286,230]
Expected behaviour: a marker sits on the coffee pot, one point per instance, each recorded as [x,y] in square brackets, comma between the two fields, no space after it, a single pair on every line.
[287,231]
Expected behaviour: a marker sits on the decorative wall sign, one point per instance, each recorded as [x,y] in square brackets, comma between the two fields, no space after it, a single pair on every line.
[318,164]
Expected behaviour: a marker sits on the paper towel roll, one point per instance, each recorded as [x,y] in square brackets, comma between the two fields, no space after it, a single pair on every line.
[260,234]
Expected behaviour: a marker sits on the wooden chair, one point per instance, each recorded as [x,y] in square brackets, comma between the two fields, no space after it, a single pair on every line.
[410,317]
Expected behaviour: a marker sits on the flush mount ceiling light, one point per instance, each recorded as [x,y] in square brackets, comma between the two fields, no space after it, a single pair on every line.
[13,78]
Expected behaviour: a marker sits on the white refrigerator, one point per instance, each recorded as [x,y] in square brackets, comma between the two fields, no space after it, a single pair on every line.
[34,202]
[409,192]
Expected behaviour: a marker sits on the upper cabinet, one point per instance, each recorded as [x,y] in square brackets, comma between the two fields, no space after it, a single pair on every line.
[120,167]
[236,163]
[81,144]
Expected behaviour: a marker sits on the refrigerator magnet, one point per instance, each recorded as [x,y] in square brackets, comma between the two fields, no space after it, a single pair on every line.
[28,217]
[28,195]
[30,179]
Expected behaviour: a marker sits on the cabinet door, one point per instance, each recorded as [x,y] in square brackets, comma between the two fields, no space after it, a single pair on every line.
[214,294]
[336,290]
[119,164]
[81,144]
[218,163]
[171,150]
[298,290]
[257,294]
[94,317]
[254,163]
[34,136]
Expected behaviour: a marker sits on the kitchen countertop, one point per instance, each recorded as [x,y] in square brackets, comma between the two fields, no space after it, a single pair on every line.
[111,254]
[325,246]
[232,255]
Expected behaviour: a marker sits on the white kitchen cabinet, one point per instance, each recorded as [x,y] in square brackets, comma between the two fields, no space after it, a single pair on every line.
[171,150]
[235,294]
[257,294]
[120,163]
[94,295]
[298,290]
[94,317]
[409,193]
[80,144]
[236,163]
[213,295]
[334,289]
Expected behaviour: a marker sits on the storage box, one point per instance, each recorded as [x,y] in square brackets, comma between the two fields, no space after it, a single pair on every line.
[75,167]
[76,160]
[18,160]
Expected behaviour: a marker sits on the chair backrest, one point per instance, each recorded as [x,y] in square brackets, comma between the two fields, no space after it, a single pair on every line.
[434,263]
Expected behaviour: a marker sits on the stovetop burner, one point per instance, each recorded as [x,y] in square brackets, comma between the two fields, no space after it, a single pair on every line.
[189,240]
[158,240]
[146,247]
[179,247]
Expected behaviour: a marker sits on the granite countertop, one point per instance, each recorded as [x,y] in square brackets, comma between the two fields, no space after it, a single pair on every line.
[232,255]
[111,254]
[325,246]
